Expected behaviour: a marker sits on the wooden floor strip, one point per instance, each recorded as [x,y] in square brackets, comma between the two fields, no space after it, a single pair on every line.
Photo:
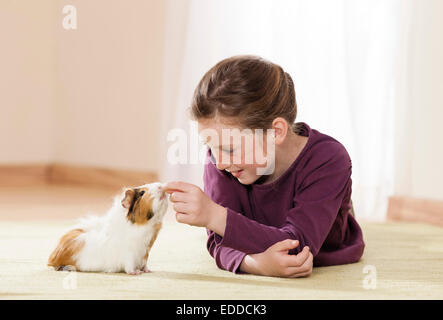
[415,210]
[41,174]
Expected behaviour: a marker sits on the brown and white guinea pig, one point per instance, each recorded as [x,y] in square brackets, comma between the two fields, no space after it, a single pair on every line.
[120,240]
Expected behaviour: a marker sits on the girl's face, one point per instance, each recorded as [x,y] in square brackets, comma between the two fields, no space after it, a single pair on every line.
[241,152]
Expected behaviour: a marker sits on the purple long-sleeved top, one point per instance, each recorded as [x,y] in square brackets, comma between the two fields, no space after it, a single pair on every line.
[309,202]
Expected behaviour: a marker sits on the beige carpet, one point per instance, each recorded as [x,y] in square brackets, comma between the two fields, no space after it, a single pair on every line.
[405,259]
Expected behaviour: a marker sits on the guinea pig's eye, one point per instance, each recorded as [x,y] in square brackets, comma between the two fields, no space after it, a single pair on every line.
[142,193]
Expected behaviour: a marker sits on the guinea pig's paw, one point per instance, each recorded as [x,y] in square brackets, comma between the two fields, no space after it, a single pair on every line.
[146,270]
[134,272]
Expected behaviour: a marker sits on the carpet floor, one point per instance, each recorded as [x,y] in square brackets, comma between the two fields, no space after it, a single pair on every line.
[401,260]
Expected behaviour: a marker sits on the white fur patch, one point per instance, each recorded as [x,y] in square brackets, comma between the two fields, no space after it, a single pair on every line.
[114,244]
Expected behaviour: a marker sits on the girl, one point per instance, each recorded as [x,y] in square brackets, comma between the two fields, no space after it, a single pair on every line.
[295,216]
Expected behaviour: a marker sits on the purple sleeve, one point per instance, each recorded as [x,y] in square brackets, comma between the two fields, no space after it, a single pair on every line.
[226,258]
[316,205]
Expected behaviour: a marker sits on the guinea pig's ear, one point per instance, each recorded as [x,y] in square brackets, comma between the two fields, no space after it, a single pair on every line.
[128,199]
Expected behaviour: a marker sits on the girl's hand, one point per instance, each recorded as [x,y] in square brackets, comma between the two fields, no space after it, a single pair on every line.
[276,262]
[194,207]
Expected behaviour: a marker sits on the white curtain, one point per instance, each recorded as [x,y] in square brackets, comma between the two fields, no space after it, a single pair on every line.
[345,58]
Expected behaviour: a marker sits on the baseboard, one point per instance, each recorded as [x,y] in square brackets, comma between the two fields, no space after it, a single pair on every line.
[415,210]
[22,175]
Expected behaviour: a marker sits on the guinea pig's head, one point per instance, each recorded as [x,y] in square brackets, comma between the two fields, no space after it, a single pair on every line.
[145,203]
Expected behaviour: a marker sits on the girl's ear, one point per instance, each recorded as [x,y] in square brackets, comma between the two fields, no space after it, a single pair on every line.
[280,127]
[128,199]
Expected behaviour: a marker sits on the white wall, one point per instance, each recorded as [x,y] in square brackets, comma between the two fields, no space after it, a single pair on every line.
[27,74]
[93,96]
[109,80]
[420,130]
[90,96]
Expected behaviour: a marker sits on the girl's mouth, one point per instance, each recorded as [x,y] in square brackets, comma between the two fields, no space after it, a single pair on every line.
[237,173]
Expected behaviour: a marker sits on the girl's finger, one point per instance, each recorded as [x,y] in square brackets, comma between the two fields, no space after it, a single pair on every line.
[181,217]
[285,245]
[178,196]
[178,185]
[301,275]
[304,269]
[181,207]
[298,259]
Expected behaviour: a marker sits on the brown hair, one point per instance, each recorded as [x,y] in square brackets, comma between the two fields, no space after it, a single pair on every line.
[247,88]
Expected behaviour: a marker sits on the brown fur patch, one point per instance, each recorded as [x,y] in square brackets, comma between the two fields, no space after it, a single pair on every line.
[67,247]
[157,228]
[139,206]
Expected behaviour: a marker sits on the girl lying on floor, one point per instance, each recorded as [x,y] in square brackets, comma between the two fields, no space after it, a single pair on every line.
[284,214]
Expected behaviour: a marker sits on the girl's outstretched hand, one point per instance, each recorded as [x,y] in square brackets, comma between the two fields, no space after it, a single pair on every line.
[277,262]
[195,208]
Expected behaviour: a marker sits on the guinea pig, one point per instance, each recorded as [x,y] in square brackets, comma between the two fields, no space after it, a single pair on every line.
[118,241]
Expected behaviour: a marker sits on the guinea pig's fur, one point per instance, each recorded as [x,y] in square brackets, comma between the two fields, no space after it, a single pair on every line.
[120,240]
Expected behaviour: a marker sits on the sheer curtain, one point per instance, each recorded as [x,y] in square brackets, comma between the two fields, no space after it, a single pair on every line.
[345,58]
